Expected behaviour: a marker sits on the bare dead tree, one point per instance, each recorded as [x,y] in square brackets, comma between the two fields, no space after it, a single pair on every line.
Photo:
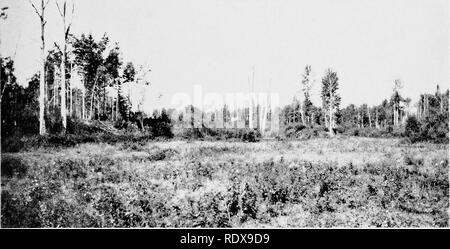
[41,14]
[66,26]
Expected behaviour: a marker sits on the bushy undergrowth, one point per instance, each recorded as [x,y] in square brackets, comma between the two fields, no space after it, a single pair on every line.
[239,134]
[79,132]
[434,129]
[16,144]
[299,131]
[372,132]
[429,130]
[209,186]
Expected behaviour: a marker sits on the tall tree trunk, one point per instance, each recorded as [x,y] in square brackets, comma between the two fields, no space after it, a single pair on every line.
[302,112]
[83,102]
[398,114]
[330,129]
[70,93]
[359,119]
[42,130]
[303,116]
[249,116]
[395,115]
[92,105]
[92,98]
[112,108]
[257,117]
[117,102]
[98,108]
[421,110]
[104,101]
[70,96]
[55,88]
[63,87]
[376,119]
[42,89]
[330,123]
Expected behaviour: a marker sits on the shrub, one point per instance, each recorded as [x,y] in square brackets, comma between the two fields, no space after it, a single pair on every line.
[292,130]
[12,144]
[303,132]
[366,132]
[13,166]
[433,128]
[78,127]
[251,136]
[412,128]
[241,134]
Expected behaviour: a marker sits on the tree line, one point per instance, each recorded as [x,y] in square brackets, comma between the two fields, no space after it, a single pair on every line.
[393,114]
[84,79]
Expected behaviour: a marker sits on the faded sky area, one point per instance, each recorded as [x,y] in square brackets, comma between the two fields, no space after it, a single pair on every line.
[216,43]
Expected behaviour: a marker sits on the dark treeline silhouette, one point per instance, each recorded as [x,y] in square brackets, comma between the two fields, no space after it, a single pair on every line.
[394,116]
[301,119]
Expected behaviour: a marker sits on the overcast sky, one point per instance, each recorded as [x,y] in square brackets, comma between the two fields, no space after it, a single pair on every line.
[216,43]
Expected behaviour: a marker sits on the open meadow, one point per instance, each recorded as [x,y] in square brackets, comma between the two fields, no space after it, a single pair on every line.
[338,182]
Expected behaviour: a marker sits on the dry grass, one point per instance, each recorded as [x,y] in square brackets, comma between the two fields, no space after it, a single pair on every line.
[344,181]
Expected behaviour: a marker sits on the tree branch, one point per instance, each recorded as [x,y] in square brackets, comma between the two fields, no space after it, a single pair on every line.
[56,45]
[59,9]
[73,11]
[35,9]
[45,6]
[67,31]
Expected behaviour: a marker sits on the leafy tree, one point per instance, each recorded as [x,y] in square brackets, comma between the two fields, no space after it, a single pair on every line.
[9,95]
[307,83]
[19,105]
[112,63]
[129,72]
[53,60]
[128,75]
[330,98]
[396,99]
[412,127]
[89,58]
[349,116]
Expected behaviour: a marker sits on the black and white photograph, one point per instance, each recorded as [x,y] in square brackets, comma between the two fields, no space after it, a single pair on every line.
[236,114]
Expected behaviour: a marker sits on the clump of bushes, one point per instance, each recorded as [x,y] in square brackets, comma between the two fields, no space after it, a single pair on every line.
[434,129]
[367,132]
[300,131]
[239,134]
[85,132]
[292,130]
[13,166]
[15,144]
[78,127]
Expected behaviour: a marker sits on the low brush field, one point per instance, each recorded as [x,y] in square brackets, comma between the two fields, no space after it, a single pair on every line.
[338,182]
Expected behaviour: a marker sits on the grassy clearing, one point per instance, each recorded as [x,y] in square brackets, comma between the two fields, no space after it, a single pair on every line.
[349,182]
